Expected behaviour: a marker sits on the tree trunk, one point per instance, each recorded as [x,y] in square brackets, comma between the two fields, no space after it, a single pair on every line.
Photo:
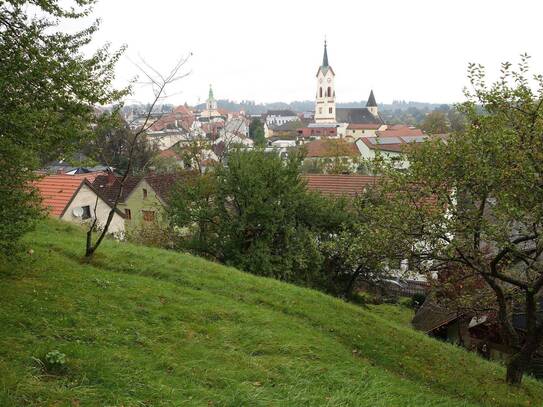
[515,368]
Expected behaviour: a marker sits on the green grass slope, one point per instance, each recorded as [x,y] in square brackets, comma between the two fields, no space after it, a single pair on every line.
[146,327]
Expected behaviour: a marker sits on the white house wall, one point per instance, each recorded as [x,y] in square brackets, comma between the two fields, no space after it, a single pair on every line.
[86,197]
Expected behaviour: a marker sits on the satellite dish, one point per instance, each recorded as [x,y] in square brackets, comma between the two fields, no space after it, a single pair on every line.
[78,212]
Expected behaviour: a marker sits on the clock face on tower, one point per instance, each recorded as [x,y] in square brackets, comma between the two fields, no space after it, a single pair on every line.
[320,80]
[329,80]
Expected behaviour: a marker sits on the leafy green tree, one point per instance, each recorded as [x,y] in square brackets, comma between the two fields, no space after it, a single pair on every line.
[474,203]
[365,249]
[256,132]
[435,123]
[48,88]
[257,215]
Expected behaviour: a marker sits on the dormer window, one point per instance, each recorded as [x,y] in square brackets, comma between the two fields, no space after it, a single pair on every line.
[144,193]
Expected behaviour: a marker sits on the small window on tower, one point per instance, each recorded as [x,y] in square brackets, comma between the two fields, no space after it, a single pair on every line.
[320,110]
[320,92]
[329,91]
[330,110]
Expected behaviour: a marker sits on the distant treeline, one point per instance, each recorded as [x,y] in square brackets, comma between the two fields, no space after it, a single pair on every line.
[396,112]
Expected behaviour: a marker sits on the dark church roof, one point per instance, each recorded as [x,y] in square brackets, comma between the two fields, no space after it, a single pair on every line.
[371,100]
[325,56]
[359,115]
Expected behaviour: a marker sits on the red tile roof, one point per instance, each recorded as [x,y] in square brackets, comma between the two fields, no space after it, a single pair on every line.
[339,185]
[331,148]
[108,186]
[393,147]
[58,190]
[169,153]
[181,114]
[163,184]
[364,126]
[399,131]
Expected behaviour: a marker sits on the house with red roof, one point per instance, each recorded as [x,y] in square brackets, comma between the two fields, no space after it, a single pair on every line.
[73,198]
[336,185]
[142,199]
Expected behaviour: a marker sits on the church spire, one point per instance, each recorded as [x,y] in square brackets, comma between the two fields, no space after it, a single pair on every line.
[371,100]
[210,96]
[371,105]
[325,56]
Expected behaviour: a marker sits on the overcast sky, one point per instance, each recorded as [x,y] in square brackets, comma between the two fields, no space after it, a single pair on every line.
[270,51]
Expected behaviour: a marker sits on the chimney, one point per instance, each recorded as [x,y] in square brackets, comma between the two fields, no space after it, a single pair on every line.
[110,177]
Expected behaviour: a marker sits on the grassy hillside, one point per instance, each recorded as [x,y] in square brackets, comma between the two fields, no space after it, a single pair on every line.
[146,327]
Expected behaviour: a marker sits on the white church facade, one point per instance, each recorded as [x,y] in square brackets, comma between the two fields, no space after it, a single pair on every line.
[327,114]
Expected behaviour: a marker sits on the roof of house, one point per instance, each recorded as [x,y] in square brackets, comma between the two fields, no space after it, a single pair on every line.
[356,115]
[339,184]
[392,143]
[330,148]
[399,131]
[288,126]
[282,112]
[169,153]
[57,191]
[162,184]
[181,115]
[431,316]
[109,185]
[364,126]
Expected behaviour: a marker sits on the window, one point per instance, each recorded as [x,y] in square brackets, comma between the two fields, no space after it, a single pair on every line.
[320,110]
[148,216]
[144,193]
[320,92]
[128,214]
[329,92]
[86,212]
[330,110]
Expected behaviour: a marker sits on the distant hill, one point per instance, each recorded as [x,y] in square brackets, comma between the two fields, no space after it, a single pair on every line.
[308,105]
[147,327]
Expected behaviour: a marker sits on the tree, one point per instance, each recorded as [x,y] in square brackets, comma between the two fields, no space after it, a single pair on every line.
[257,215]
[256,132]
[435,123]
[159,83]
[111,143]
[49,88]
[472,207]
[364,249]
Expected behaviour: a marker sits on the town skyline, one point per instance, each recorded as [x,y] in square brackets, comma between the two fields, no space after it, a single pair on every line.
[273,56]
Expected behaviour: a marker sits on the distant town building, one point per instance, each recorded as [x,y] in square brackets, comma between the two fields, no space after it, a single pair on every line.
[279,117]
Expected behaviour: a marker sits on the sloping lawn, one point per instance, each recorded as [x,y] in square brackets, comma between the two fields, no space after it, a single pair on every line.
[147,327]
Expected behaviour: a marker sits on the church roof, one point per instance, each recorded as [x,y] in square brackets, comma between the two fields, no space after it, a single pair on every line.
[325,56]
[210,95]
[356,115]
[325,66]
[371,100]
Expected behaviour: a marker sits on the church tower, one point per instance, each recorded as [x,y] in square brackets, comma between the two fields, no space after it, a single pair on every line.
[325,103]
[371,105]
[211,103]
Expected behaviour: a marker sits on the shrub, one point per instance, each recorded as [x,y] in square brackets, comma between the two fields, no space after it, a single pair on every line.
[54,362]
